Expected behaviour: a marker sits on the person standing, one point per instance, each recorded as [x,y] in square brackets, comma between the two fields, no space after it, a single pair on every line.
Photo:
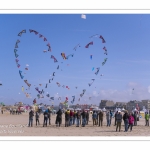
[71,117]
[147,119]
[108,118]
[115,117]
[74,117]
[83,114]
[100,118]
[118,120]
[45,118]
[31,114]
[67,118]
[126,120]
[37,116]
[135,118]
[49,116]
[59,117]
[131,121]
[87,117]
[111,115]
[94,117]
[78,115]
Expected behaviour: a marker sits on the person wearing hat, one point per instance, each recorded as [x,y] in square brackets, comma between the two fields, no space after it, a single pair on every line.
[118,120]
[115,118]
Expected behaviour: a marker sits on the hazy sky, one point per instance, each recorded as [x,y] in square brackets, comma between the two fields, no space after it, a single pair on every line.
[127,41]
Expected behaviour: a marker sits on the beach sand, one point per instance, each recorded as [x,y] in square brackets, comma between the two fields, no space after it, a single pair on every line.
[16,125]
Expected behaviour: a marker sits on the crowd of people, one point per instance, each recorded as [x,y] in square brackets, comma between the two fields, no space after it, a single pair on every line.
[81,118]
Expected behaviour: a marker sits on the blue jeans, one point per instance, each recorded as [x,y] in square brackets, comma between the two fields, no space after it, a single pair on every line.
[78,122]
[74,120]
[108,122]
[83,121]
[30,122]
[126,122]
[71,119]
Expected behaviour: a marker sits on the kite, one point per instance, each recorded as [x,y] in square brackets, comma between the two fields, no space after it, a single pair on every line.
[55,60]
[1,84]
[27,65]
[38,95]
[97,71]
[52,98]
[75,48]
[44,51]
[47,95]
[104,48]
[91,56]
[92,82]
[46,86]
[103,63]
[63,55]
[58,84]
[63,86]
[49,47]
[87,46]
[16,60]
[73,99]
[27,83]
[83,16]
[67,87]
[22,88]
[58,67]
[49,80]
[21,74]
[33,31]
[92,68]
[96,35]
[69,56]
[26,68]
[34,101]
[20,33]
[103,41]
[53,73]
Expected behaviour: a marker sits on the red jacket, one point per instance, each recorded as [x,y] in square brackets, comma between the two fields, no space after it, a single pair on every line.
[131,119]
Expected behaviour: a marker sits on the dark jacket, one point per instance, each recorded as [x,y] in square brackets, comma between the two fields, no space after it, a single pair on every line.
[83,114]
[59,116]
[31,114]
[45,114]
[119,117]
[100,115]
[78,115]
[125,116]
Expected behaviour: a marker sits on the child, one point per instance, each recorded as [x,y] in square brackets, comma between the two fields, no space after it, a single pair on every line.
[131,121]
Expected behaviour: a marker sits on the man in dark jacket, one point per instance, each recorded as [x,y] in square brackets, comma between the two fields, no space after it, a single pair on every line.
[115,117]
[59,117]
[87,117]
[49,116]
[78,115]
[118,120]
[31,114]
[126,120]
[100,115]
[135,118]
[45,118]
[83,114]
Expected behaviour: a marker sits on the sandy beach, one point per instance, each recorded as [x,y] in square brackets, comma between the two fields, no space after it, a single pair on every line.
[16,125]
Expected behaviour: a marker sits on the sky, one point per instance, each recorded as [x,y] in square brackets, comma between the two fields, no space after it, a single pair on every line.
[127,67]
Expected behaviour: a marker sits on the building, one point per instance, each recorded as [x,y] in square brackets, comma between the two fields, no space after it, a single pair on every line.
[146,103]
[121,105]
[107,104]
[131,105]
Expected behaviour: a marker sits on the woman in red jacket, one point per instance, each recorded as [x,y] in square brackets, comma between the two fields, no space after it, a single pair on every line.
[131,121]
